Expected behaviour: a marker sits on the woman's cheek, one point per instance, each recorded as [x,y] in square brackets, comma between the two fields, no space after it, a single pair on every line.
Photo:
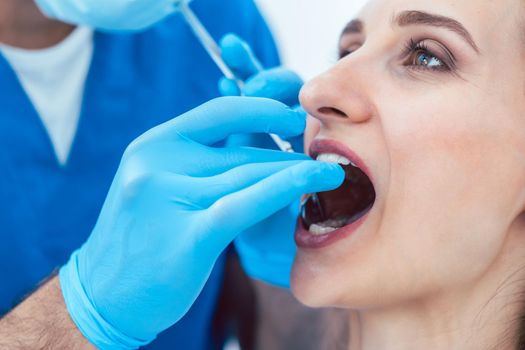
[312,129]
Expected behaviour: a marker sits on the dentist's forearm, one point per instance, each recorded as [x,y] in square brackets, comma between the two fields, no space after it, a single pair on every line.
[41,322]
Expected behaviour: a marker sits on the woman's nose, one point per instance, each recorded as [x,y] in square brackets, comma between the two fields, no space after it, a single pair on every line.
[337,95]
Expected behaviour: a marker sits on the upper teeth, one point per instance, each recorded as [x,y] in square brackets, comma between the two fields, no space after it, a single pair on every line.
[334,158]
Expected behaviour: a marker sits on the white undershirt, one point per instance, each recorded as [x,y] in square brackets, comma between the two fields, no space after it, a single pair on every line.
[54,78]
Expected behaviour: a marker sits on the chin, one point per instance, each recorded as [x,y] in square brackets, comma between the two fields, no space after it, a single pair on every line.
[317,281]
[307,284]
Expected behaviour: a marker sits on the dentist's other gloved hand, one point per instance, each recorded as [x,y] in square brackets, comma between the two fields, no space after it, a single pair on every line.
[267,249]
[175,203]
[276,83]
[109,14]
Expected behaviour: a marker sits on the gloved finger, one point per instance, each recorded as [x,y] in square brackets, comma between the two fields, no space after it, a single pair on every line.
[280,84]
[219,118]
[265,141]
[224,159]
[238,55]
[228,87]
[204,161]
[295,139]
[210,189]
[249,206]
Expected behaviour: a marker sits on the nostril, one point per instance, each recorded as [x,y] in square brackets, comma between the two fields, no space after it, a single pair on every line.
[332,111]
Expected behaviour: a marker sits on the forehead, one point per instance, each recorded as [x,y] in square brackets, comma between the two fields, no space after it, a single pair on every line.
[489,22]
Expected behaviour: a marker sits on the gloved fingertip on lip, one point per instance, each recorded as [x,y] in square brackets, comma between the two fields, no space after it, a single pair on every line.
[332,172]
[336,168]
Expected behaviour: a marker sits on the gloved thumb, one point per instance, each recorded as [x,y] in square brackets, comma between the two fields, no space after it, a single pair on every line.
[279,84]
[239,57]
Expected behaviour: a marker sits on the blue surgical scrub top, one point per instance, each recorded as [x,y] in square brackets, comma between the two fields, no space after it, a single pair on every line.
[136,81]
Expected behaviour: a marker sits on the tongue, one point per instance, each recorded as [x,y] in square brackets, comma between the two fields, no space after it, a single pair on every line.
[342,206]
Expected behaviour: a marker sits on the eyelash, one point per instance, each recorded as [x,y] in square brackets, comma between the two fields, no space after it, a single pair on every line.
[412,50]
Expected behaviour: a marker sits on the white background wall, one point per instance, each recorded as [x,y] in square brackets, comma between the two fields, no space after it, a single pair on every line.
[307,31]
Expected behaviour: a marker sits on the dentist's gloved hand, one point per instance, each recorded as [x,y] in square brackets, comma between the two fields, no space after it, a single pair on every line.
[267,249]
[174,205]
[278,83]
[109,14]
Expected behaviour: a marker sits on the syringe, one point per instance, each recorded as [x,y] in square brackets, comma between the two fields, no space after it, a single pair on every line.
[213,49]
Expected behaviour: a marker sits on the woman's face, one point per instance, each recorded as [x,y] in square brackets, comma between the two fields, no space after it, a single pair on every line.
[429,97]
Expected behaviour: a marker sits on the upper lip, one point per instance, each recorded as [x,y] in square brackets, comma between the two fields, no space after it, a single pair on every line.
[320,146]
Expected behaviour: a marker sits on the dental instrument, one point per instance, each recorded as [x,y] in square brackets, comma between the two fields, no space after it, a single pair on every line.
[213,50]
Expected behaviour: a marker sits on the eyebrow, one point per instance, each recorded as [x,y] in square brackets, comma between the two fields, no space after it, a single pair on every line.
[407,18]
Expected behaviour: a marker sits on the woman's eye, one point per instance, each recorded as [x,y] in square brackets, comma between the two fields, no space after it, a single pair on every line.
[419,56]
[348,50]
[427,60]
[343,54]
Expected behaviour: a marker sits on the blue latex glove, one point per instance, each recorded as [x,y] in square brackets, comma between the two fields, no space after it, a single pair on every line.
[174,205]
[278,83]
[109,14]
[267,249]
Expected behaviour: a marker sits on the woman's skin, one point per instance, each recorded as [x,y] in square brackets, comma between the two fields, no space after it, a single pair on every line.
[439,263]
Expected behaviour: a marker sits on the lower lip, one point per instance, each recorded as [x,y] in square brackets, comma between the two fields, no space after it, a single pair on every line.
[305,239]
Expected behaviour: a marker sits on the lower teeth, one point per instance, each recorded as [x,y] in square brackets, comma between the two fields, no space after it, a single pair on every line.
[327,226]
[320,230]
[337,223]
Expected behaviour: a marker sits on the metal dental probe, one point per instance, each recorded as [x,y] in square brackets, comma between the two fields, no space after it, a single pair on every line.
[213,50]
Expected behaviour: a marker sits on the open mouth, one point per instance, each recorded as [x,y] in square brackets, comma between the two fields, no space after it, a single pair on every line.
[325,212]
